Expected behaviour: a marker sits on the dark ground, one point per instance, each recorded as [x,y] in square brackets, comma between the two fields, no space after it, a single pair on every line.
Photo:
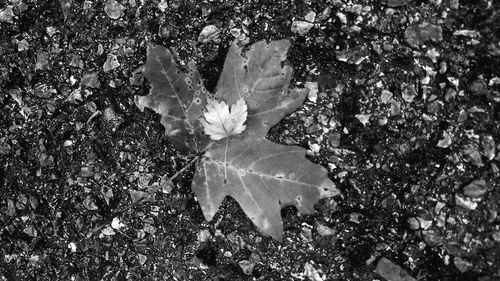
[406,119]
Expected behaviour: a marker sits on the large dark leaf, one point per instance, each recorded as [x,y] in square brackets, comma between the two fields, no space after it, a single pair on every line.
[262,176]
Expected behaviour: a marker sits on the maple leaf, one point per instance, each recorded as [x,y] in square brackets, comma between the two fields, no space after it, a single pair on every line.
[220,122]
[260,175]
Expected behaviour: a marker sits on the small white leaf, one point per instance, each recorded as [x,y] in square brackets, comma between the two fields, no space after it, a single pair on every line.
[116,223]
[220,122]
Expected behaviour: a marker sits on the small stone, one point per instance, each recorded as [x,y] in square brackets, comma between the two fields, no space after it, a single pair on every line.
[203,235]
[488,144]
[334,139]
[478,87]
[46,160]
[342,17]
[473,156]
[450,94]
[42,60]
[418,34]
[385,96]
[325,14]
[301,27]
[246,266]
[311,272]
[163,5]
[432,238]
[22,45]
[142,259]
[89,204]
[91,80]
[363,118]
[395,108]
[391,271]
[445,141]
[418,223]
[85,172]
[111,63]
[310,17]
[108,231]
[396,3]
[114,9]
[409,93]
[209,33]
[324,230]
[116,223]
[476,188]
[72,247]
[6,14]
[312,96]
[462,265]
[466,203]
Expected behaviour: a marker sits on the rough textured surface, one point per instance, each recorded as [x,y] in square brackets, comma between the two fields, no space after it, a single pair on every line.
[73,144]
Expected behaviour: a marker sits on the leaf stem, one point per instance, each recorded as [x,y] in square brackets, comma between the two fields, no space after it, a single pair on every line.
[225,158]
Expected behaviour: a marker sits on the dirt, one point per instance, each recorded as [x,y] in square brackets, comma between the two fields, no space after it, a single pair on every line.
[406,120]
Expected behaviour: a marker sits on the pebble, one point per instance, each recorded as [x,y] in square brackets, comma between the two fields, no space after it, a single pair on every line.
[310,17]
[22,45]
[301,27]
[203,235]
[396,3]
[142,259]
[342,17]
[418,34]
[386,96]
[209,33]
[6,14]
[445,141]
[391,271]
[472,155]
[246,266]
[432,238]
[91,80]
[313,91]
[478,87]
[476,188]
[42,60]
[418,223]
[311,272]
[363,118]
[324,230]
[114,9]
[466,203]
[488,145]
[395,108]
[409,93]
[110,63]
[462,265]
